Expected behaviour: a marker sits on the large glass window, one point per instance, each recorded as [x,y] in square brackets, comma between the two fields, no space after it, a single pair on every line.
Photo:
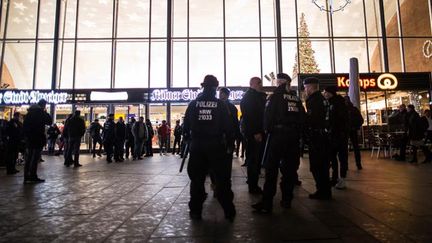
[206,18]
[127,75]
[18,65]
[180,18]
[231,39]
[417,24]
[133,18]
[288,19]
[179,64]
[22,19]
[44,65]
[350,21]
[47,18]
[65,65]
[418,54]
[158,72]
[373,21]
[95,19]
[93,65]
[68,18]
[243,62]
[314,17]
[206,57]
[159,18]
[244,25]
[346,49]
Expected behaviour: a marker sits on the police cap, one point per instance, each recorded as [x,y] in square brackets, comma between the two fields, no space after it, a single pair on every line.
[331,89]
[311,80]
[283,76]
[210,81]
[225,90]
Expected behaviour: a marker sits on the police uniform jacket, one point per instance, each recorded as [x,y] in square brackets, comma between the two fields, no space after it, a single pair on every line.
[339,117]
[120,131]
[252,107]
[109,131]
[207,118]
[317,112]
[284,111]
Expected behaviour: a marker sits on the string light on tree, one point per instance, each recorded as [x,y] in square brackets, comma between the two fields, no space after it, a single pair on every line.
[331,5]
[306,54]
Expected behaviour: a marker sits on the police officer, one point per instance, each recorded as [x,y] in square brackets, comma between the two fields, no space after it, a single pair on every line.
[95,129]
[120,137]
[339,132]
[207,126]
[109,137]
[235,126]
[317,123]
[283,121]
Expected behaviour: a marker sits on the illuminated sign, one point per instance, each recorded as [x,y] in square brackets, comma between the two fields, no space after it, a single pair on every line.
[13,97]
[387,81]
[108,96]
[384,81]
[427,49]
[186,95]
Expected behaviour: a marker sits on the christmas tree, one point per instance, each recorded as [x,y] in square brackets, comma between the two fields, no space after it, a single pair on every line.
[307,58]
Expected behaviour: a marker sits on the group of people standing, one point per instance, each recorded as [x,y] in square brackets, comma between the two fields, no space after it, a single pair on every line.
[416,131]
[274,127]
[119,139]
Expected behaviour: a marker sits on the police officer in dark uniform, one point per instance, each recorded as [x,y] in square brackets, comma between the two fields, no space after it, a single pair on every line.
[109,137]
[339,132]
[235,126]
[120,137]
[283,121]
[207,127]
[317,123]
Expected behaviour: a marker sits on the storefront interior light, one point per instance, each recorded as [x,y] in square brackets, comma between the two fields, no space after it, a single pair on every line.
[108,96]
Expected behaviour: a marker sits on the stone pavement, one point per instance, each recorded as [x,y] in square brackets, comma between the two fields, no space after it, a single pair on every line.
[140,201]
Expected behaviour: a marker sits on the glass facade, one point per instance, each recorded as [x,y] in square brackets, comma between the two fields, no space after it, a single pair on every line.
[167,43]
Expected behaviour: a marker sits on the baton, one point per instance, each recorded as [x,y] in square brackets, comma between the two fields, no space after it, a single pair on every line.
[185,154]
[264,158]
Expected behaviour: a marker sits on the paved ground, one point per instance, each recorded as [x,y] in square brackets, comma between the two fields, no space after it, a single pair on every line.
[139,201]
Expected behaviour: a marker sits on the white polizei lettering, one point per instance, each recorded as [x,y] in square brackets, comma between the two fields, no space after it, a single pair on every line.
[206,104]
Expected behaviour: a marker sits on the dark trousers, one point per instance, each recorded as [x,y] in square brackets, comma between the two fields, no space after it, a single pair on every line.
[339,155]
[149,147]
[73,149]
[119,149]
[177,141]
[253,160]
[163,145]
[403,145]
[31,163]
[11,157]
[97,140]
[320,163]
[283,155]
[130,145]
[241,142]
[109,149]
[51,145]
[208,156]
[354,141]
[138,148]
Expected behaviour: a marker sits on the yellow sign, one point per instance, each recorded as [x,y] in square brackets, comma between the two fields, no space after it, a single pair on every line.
[387,81]
[118,115]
